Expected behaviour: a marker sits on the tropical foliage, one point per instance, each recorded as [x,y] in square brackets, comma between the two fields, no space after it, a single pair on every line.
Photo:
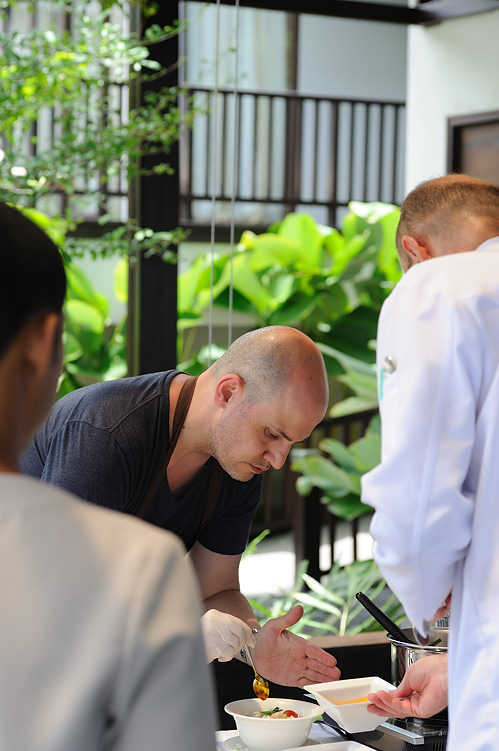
[94,346]
[65,136]
[331,607]
[330,283]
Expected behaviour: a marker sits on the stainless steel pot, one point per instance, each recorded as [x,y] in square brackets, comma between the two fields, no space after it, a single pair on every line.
[404,654]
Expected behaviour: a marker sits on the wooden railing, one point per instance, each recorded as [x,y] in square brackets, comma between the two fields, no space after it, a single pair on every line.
[294,151]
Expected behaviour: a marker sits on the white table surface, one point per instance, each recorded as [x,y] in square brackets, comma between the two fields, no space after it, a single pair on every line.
[327,738]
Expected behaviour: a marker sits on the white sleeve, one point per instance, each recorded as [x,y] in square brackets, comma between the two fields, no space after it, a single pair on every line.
[422,520]
[164,696]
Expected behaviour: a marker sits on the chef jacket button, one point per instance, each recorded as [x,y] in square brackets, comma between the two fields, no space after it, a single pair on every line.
[389,365]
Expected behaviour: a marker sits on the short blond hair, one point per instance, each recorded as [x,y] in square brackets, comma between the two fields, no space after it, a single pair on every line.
[433,207]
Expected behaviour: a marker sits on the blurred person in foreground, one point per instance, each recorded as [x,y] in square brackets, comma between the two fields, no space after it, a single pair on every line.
[100,627]
[188,455]
[436,521]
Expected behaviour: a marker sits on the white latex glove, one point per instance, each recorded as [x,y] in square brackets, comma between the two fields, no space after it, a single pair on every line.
[224,635]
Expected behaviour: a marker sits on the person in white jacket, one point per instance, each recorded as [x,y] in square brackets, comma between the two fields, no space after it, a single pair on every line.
[435,492]
[100,634]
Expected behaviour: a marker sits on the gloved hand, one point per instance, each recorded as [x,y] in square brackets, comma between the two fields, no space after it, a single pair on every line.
[224,635]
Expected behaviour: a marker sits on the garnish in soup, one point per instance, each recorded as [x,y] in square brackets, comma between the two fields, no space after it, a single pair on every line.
[276,713]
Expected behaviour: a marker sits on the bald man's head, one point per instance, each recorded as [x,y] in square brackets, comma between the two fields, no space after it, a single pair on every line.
[273,357]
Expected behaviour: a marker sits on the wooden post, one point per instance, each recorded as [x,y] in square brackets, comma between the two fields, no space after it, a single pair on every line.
[154,202]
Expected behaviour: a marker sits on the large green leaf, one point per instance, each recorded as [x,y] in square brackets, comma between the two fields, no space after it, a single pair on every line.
[305,599]
[366,452]
[339,452]
[387,256]
[322,473]
[351,405]
[85,316]
[79,286]
[188,285]
[120,280]
[248,284]
[303,230]
[271,249]
[363,384]
[346,360]
[280,286]
[349,507]
[292,313]
[349,250]
[335,300]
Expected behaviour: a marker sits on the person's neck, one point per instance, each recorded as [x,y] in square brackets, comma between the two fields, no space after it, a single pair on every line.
[191,452]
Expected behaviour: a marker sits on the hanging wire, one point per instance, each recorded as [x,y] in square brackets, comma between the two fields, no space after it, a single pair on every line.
[235,171]
[214,181]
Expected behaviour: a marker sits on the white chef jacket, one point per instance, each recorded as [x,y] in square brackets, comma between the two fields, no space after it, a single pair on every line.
[436,490]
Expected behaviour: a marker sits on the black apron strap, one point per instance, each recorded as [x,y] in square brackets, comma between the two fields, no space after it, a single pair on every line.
[216,472]
[181,409]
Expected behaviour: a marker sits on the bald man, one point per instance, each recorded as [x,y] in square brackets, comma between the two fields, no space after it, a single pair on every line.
[187,455]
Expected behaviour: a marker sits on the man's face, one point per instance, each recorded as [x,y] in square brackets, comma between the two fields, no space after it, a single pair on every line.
[250,437]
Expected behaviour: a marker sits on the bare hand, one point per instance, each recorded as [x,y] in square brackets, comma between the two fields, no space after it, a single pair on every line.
[422,692]
[288,659]
[444,609]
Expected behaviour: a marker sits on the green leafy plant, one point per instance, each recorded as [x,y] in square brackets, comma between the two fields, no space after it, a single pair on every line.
[327,282]
[338,470]
[331,607]
[334,468]
[94,346]
[67,143]
[75,80]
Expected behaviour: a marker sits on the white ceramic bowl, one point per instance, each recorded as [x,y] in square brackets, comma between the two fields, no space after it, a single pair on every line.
[352,717]
[267,734]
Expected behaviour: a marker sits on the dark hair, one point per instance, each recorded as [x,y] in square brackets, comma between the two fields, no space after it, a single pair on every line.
[32,277]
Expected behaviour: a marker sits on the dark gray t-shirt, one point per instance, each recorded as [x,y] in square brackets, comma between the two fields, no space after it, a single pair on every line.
[105,442]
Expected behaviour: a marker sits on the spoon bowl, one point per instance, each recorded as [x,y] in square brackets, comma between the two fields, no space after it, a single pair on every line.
[260,685]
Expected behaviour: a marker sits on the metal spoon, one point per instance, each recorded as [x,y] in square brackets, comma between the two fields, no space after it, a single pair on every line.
[260,685]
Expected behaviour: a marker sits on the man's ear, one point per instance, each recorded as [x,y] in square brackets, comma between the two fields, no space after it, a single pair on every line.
[227,387]
[416,250]
[40,340]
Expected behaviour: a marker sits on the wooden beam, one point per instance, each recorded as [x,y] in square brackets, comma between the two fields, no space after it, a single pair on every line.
[428,12]
[435,11]
[338,8]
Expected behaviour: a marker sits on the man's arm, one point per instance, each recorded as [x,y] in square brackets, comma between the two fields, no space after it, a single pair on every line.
[422,523]
[280,656]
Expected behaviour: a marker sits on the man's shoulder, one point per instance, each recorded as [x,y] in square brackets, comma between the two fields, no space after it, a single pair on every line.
[103,403]
[141,384]
[453,277]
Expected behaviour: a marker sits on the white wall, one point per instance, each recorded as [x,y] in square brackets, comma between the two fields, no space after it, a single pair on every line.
[351,58]
[260,50]
[453,69]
